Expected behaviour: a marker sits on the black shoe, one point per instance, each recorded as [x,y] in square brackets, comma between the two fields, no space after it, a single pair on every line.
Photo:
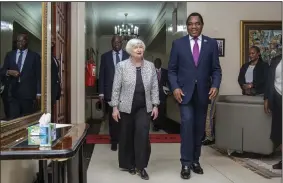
[143,174]
[277,166]
[185,172]
[156,128]
[114,147]
[207,142]
[197,168]
[132,171]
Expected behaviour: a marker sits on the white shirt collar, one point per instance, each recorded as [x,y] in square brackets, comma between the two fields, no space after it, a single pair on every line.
[114,52]
[199,38]
[19,51]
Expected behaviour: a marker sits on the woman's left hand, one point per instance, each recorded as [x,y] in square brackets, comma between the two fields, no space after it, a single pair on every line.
[154,113]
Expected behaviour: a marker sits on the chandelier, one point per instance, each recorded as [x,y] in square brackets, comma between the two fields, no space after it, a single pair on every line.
[127,31]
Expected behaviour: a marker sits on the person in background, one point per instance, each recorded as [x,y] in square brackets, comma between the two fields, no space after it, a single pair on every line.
[55,76]
[253,73]
[193,63]
[135,100]
[109,60]
[273,102]
[162,76]
[23,67]
[210,125]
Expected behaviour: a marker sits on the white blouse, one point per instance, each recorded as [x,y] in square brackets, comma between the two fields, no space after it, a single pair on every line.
[249,76]
[278,78]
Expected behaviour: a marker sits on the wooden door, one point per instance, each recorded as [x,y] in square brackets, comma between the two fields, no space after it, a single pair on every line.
[60,29]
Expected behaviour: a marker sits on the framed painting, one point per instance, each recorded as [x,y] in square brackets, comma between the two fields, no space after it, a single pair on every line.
[221,46]
[264,34]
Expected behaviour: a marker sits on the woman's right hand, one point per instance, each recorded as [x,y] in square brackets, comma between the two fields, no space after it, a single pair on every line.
[266,107]
[116,114]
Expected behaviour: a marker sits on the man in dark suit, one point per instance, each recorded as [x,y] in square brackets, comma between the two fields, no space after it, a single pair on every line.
[23,69]
[162,76]
[109,61]
[194,59]
[55,76]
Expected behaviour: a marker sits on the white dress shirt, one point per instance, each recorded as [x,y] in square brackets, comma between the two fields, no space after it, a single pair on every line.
[23,57]
[114,56]
[278,78]
[192,41]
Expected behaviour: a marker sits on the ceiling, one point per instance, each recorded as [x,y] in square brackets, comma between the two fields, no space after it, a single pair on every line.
[109,14]
[33,9]
[158,45]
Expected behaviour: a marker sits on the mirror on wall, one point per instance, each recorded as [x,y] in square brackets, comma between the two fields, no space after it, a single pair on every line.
[22,62]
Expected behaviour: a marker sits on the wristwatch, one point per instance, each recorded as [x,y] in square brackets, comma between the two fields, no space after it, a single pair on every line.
[154,105]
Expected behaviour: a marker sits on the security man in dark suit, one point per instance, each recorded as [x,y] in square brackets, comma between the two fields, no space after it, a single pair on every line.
[162,76]
[22,67]
[55,76]
[109,61]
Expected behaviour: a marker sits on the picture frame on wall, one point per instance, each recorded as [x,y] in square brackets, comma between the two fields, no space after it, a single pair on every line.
[264,34]
[221,46]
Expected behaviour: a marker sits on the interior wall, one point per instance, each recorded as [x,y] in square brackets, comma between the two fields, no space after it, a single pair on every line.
[222,20]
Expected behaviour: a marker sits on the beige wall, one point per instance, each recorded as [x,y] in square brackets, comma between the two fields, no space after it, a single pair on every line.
[77,63]
[222,20]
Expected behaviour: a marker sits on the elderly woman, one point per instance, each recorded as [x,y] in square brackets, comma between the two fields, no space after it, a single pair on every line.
[135,100]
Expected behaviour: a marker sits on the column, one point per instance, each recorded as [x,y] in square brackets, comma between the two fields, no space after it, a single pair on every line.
[77,62]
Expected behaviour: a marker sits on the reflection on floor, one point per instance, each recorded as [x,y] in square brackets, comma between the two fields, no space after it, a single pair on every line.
[164,166]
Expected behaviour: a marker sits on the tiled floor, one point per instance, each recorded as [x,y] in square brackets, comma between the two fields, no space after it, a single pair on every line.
[164,166]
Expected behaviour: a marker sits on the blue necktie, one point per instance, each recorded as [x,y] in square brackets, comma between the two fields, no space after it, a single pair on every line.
[117,58]
[20,61]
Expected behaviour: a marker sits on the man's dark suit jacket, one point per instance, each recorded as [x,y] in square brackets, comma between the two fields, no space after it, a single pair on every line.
[55,81]
[106,73]
[269,87]
[183,74]
[259,76]
[30,77]
[163,82]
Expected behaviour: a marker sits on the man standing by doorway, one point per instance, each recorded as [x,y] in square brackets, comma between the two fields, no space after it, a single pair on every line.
[109,61]
[55,78]
[193,61]
[23,68]
[162,76]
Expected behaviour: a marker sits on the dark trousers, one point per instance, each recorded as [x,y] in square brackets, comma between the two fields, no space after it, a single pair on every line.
[21,107]
[193,117]
[276,127]
[114,127]
[161,115]
[134,145]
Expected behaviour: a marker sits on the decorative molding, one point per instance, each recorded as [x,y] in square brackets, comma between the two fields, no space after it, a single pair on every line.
[24,19]
[157,25]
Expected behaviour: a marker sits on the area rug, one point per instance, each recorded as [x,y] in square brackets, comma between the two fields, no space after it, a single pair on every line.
[154,138]
[260,164]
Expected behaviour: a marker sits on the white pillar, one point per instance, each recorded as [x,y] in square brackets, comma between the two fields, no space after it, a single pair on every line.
[77,62]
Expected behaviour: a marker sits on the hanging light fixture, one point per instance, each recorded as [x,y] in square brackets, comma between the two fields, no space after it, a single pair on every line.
[127,31]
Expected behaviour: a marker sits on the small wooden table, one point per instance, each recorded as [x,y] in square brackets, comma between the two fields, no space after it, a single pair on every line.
[69,140]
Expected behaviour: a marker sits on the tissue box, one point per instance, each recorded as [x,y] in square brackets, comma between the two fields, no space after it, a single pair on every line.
[42,129]
[42,135]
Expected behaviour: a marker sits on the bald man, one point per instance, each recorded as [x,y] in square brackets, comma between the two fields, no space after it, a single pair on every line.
[109,61]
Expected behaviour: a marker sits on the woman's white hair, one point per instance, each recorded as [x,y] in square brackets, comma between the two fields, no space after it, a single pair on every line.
[133,43]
